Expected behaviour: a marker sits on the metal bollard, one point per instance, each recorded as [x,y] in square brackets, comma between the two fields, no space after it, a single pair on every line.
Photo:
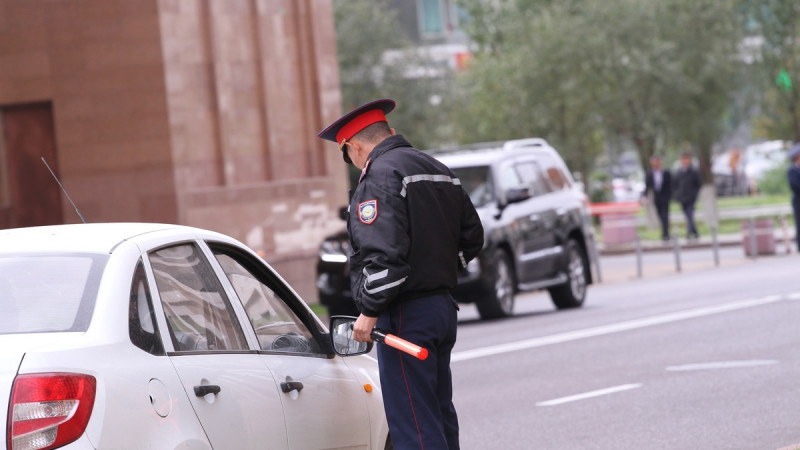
[786,236]
[638,256]
[676,245]
[715,245]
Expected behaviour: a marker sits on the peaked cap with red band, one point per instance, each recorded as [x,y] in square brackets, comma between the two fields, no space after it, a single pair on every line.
[356,120]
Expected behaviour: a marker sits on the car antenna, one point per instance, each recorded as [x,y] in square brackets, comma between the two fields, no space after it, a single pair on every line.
[65,191]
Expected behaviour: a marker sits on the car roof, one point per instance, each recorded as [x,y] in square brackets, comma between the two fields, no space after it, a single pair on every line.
[487,153]
[87,238]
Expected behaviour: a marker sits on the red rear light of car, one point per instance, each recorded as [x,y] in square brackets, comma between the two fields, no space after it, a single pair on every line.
[48,410]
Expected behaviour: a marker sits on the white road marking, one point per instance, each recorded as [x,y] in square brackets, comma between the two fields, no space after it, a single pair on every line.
[715,365]
[610,329]
[793,296]
[592,394]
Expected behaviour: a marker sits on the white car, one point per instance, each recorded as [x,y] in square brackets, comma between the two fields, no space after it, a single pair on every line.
[163,336]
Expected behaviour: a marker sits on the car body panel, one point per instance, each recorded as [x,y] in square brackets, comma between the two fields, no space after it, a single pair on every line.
[248,399]
[314,414]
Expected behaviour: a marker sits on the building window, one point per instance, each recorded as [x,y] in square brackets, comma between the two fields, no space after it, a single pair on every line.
[431,17]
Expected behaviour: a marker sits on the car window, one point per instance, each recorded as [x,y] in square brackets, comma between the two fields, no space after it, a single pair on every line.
[557,178]
[142,326]
[278,328]
[555,172]
[531,176]
[509,178]
[48,292]
[199,315]
[477,182]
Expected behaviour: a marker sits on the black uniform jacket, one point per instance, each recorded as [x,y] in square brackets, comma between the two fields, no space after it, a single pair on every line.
[411,227]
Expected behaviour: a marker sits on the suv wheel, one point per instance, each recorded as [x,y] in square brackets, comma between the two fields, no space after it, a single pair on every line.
[572,293]
[499,301]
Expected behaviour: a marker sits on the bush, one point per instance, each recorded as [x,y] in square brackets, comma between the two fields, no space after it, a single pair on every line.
[774,182]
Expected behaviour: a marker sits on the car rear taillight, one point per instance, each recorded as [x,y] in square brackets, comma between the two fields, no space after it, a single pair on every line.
[48,410]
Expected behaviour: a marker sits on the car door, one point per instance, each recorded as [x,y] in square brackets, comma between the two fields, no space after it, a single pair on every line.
[233,395]
[324,403]
[534,220]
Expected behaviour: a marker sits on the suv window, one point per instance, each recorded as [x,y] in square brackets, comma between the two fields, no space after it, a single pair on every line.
[556,175]
[198,312]
[509,178]
[531,176]
[477,182]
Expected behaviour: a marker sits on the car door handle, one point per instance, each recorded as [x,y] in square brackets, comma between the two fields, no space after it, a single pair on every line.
[202,391]
[289,386]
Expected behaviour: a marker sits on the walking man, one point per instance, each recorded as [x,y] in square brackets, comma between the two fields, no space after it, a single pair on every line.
[411,226]
[659,182]
[687,187]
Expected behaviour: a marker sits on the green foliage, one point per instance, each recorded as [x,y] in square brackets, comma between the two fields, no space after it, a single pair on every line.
[576,72]
[777,24]
[775,182]
[365,31]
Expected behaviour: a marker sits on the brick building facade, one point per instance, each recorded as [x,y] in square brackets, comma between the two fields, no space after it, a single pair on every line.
[199,112]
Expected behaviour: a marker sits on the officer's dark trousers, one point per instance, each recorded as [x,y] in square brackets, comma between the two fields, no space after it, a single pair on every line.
[417,395]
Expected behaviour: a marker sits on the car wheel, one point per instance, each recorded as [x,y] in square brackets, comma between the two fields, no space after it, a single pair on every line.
[572,293]
[499,301]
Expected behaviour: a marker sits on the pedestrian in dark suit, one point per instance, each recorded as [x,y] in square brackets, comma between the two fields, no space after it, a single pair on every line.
[687,187]
[794,184]
[659,182]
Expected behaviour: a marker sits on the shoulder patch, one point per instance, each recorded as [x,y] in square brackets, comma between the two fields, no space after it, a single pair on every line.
[368,211]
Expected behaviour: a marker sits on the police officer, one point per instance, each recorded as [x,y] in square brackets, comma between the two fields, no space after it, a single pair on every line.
[411,227]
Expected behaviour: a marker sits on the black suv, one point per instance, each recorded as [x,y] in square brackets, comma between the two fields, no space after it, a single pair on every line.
[538,231]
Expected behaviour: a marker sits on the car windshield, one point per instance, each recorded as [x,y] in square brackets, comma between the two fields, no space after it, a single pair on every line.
[477,182]
[48,293]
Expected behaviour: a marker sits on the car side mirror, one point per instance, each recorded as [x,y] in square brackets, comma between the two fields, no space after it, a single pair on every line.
[514,195]
[342,337]
[343,212]
[517,195]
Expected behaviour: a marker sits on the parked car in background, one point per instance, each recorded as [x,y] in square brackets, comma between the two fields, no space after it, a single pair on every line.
[538,230]
[738,172]
[162,336]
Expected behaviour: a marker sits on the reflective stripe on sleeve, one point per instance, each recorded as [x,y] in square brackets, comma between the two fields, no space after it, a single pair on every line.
[378,276]
[436,178]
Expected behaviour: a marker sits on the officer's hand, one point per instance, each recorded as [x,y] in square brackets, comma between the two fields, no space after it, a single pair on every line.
[363,328]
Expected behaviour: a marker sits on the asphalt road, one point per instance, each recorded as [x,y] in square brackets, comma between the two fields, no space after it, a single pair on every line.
[708,358]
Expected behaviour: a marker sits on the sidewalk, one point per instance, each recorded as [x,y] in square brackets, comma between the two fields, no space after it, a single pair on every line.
[622,263]
[781,240]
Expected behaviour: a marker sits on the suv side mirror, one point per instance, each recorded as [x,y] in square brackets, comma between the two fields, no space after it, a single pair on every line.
[517,195]
[343,212]
[342,337]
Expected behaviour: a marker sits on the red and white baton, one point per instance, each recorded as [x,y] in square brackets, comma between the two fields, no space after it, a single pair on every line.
[403,345]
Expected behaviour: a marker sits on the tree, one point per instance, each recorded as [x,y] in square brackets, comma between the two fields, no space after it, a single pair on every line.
[707,72]
[577,72]
[377,61]
[777,26]
[529,79]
